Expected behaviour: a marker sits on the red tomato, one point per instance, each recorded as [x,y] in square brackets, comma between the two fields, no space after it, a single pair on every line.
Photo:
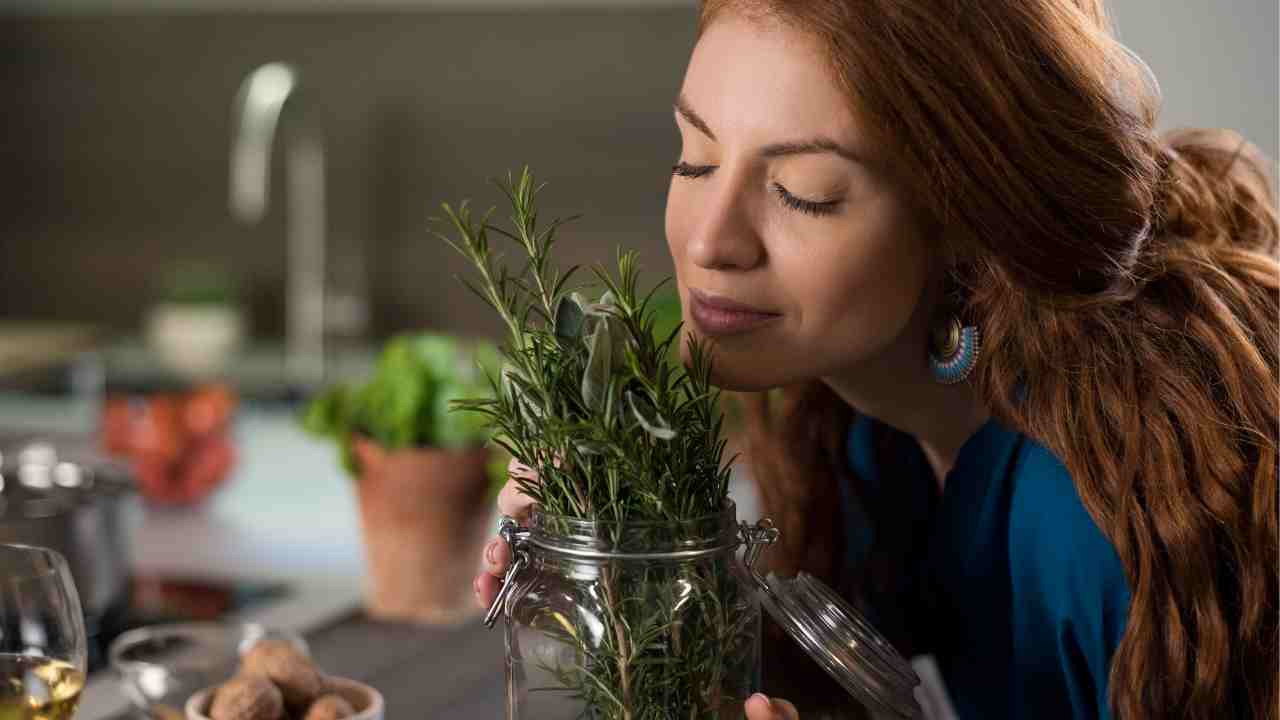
[208,409]
[206,466]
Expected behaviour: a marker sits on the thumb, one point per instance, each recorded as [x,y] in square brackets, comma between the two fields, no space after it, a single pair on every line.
[761,707]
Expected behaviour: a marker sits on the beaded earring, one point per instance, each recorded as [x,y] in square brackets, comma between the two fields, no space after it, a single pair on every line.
[953,351]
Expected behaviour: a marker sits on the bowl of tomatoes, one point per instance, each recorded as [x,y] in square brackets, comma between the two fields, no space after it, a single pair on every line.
[176,439]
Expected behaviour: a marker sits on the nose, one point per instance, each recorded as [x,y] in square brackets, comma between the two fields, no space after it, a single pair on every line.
[725,238]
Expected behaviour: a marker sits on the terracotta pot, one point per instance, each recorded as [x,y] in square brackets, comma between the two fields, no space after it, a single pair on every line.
[424,515]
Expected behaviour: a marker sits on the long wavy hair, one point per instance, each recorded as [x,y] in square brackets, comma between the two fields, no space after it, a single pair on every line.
[1128,280]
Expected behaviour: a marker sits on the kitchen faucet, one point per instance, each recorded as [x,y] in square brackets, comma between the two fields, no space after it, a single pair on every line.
[262,96]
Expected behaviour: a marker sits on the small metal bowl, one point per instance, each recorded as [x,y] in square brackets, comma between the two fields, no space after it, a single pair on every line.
[161,666]
[366,700]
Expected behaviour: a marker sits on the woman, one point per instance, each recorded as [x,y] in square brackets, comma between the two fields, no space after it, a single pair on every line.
[1028,347]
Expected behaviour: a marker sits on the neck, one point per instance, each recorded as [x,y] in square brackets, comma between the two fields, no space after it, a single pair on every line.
[898,389]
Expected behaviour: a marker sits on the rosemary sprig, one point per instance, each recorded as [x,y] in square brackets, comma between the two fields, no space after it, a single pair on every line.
[587,395]
[618,434]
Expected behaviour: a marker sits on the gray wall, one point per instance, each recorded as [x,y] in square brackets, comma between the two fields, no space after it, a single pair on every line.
[1217,61]
[115,146]
[115,138]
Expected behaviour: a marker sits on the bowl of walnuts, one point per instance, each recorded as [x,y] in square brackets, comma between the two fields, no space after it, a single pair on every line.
[277,680]
[161,666]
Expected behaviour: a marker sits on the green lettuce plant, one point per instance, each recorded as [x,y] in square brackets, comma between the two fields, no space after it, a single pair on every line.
[406,403]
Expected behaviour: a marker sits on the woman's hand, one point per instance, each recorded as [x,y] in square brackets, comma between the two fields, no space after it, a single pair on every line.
[497,556]
[760,707]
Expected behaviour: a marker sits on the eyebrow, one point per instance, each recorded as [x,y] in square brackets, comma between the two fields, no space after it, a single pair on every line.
[818,145]
[687,112]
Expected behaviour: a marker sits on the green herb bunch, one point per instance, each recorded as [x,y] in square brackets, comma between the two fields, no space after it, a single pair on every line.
[406,403]
[592,396]
[589,395]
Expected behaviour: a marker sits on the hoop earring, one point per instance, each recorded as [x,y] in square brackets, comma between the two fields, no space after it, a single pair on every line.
[954,350]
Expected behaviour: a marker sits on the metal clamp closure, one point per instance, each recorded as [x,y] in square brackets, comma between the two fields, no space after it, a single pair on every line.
[756,538]
[515,537]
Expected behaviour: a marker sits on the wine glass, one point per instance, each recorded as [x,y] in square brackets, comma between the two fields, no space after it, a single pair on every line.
[42,642]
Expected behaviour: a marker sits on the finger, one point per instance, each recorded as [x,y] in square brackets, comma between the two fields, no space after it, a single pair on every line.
[517,469]
[759,708]
[513,502]
[762,707]
[485,587]
[497,556]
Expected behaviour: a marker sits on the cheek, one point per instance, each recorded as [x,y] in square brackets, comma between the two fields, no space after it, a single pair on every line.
[675,222]
[859,296]
[676,219]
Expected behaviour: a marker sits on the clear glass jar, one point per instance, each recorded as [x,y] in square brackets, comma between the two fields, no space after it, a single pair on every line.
[618,621]
[641,621]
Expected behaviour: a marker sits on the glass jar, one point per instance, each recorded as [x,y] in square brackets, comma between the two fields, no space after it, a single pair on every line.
[621,621]
[640,620]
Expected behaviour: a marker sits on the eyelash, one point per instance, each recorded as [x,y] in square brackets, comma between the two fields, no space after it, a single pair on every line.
[809,207]
[684,169]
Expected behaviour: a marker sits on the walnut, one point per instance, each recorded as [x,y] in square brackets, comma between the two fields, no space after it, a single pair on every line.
[299,680]
[330,707]
[247,697]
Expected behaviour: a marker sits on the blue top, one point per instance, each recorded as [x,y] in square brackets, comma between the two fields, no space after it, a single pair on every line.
[1014,589]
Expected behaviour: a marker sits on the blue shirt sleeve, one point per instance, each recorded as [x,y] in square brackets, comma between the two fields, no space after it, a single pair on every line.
[1070,592]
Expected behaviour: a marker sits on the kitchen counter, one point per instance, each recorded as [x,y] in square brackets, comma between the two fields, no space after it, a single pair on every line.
[422,672]
[289,513]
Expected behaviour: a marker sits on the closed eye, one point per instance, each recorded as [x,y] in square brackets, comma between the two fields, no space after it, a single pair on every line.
[684,169]
[809,207]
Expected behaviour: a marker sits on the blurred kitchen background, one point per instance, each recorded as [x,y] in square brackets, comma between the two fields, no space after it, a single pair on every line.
[116,139]
[116,146]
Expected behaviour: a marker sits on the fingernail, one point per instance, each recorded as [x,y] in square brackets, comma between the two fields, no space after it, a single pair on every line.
[489,551]
[765,698]
[475,585]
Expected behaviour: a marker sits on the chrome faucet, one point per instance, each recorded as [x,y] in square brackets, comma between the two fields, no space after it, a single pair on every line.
[258,105]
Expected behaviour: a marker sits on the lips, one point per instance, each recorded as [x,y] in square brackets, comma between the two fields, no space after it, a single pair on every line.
[718,315]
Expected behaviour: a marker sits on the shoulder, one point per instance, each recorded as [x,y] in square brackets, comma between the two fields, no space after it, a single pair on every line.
[1049,526]
[1070,591]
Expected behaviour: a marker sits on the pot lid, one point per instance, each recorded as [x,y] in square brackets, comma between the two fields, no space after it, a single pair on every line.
[840,640]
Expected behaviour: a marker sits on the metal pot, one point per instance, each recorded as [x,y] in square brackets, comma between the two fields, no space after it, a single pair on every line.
[58,492]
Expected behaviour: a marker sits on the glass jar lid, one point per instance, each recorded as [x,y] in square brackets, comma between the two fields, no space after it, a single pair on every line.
[840,640]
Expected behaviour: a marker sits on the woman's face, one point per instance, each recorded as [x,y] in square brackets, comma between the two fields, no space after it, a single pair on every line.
[780,203]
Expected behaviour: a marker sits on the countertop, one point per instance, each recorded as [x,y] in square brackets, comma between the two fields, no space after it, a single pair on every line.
[289,513]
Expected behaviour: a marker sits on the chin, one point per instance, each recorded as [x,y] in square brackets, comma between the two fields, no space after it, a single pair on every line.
[738,371]
[741,382]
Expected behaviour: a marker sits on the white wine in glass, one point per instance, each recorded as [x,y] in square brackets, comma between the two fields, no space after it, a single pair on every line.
[42,638]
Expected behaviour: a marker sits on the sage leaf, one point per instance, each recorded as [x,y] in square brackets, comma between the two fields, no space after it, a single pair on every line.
[647,415]
[569,318]
[606,306]
[591,447]
[595,381]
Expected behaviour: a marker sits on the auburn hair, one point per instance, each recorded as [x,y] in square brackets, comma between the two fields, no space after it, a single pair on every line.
[1126,284]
